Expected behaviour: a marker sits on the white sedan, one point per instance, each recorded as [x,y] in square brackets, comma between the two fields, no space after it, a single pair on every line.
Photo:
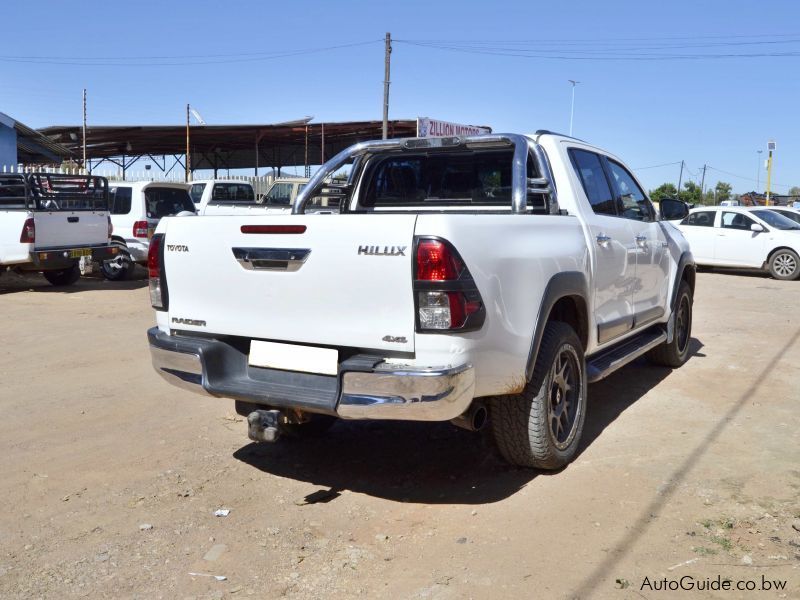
[732,236]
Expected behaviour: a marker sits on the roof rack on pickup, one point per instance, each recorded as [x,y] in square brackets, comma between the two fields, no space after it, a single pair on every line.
[53,191]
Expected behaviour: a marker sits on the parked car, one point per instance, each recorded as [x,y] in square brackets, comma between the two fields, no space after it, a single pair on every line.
[136,208]
[754,238]
[48,222]
[786,211]
[223,196]
[483,279]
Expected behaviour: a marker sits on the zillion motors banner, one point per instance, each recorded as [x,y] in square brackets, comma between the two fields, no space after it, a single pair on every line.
[432,128]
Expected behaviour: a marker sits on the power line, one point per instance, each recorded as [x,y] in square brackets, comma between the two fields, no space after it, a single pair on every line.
[677,162]
[156,61]
[746,178]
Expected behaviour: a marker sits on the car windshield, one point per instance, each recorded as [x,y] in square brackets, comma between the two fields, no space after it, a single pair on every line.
[167,201]
[776,220]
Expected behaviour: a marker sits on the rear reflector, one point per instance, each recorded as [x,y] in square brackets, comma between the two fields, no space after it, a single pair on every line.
[273,229]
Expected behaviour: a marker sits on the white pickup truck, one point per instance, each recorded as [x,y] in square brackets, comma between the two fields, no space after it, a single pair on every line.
[483,279]
[48,222]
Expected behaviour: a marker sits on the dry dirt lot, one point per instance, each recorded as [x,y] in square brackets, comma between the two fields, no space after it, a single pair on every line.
[110,477]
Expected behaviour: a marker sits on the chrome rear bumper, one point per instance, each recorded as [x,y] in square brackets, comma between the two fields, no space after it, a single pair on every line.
[379,393]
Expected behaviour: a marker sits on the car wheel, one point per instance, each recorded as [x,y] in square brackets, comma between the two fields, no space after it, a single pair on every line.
[784,264]
[120,267]
[542,426]
[63,277]
[675,353]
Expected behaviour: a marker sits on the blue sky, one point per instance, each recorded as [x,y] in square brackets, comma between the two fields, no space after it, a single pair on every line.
[713,111]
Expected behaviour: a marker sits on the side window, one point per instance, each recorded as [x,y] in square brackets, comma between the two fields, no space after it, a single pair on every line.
[121,200]
[232,192]
[280,193]
[632,202]
[789,215]
[595,184]
[703,218]
[197,192]
[732,220]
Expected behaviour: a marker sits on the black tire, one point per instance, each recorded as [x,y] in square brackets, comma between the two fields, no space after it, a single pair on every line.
[542,426]
[675,353]
[784,264]
[119,268]
[63,276]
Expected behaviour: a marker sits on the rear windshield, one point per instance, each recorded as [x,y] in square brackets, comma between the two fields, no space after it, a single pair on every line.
[232,192]
[12,192]
[165,201]
[197,192]
[439,178]
[120,200]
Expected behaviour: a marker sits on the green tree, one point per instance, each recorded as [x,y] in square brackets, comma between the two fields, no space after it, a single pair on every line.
[665,190]
[691,193]
[794,191]
[723,190]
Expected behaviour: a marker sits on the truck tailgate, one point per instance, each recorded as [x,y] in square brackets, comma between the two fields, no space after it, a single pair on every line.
[334,280]
[70,228]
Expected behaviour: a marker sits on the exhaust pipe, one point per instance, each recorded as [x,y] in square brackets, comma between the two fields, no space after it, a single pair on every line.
[474,418]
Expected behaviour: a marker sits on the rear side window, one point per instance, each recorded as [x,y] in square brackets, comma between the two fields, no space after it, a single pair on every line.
[446,178]
[280,193]
[703,218]
[593,178]
[164,201]
[120,200]
[197,192]
[232,192]
[789,215]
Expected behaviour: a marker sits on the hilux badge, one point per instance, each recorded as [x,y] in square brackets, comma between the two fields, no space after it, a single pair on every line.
[382,250]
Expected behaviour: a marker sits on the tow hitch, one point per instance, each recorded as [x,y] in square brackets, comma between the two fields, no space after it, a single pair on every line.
[264,425]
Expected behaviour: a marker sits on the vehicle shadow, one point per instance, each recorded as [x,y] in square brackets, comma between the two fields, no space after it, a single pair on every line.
[432,463]
[34,282]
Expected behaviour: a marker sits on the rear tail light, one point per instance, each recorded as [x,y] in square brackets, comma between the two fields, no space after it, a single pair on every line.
[110,227]
[155,273]
[446,296]
[28,235]
[140,229]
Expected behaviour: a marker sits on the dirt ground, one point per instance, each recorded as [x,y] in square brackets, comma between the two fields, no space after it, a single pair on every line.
[110,477]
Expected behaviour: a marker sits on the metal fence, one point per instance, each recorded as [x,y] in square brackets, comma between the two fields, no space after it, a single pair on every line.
[260,184]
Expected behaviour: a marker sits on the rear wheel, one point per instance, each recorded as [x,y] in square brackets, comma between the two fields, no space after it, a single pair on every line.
[784,264]
[673,354]
[542,426]
[63,276]
[120,267]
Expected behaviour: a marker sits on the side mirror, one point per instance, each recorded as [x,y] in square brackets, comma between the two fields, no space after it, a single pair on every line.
[670,209]
[756,227]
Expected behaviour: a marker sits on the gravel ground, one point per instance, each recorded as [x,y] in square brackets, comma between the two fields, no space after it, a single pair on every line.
[110,477]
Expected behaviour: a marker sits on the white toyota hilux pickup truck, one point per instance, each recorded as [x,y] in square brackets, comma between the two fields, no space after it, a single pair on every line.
[48,222]
[483,280]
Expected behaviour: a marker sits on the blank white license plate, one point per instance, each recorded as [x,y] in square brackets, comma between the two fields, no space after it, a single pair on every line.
[290,357]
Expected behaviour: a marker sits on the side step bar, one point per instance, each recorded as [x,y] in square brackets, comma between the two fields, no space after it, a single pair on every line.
[601,365]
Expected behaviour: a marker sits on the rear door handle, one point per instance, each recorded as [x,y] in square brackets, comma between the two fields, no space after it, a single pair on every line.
[271,259]
[603,240]
[641,241]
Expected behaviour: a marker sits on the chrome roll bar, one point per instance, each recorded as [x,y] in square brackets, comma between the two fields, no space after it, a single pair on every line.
[521,184]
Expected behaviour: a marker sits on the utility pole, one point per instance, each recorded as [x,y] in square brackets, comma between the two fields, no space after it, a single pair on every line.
[770,147]
[83,164]
[188,159]
[387,65]
[680,178]
[572,107]
[703,184]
